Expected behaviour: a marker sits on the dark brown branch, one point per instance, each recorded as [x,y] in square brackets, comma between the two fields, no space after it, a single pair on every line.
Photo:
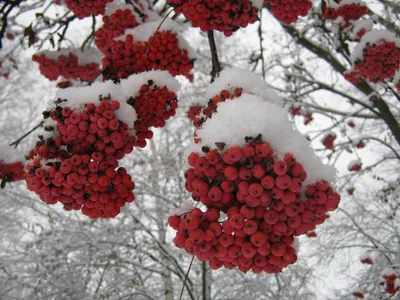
[384,110]
[187,275]
[216,66]
[16,142]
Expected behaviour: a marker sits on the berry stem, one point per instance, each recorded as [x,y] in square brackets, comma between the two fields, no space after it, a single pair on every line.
[216,66]
[16,142]
[186,277]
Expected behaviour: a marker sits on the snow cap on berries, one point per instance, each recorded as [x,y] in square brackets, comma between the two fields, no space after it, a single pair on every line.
[77,97]
[248,116]
[371,38]
[143,32]
[131,86]
[359,26]
[251,83]
[388,272]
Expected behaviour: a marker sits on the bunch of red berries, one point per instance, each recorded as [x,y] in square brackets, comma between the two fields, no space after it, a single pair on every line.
[262,203]
[287,11]
[154,105]
[355,166]
[114,25]
[85,8]
[358,295]
[81,182]
[366,261]
[224,16]
[380,61]
[193,111]
[78,168]
[348,12]
[328,140]
[66,66]
[11,172]
[162,51]
[95,128]
[298,111]
[390,282]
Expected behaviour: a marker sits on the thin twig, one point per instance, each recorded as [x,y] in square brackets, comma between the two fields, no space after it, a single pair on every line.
[187,275]
[16,142]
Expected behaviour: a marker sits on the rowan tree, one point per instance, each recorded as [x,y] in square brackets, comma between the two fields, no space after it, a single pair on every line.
[185,149]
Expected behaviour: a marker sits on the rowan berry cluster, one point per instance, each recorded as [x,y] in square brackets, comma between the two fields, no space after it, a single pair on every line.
[161,52]
[153,105]
[288,11]
[88,183]
[193,111]
[355,166]
[224,16]
[11,172]
[95,128]
[348,12]
[389,283]
[366,261]
[66,66]
[260,198]
[85,8]
[78,168]
[380,61]
[114,25]
[328,140]
[298,111]
[358,295]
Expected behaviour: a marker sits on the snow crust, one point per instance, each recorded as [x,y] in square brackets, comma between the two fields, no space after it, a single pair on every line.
[131,86]
[185,208]
[250,115]
[251,83]
[90,55]
[9,155]
[143,32]
[372,37]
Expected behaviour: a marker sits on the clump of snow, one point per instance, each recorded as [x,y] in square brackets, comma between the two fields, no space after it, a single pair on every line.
[360,25]
[131,86]
[372,37]
[185,208]
[397,283]
[396,78]
[296,244]
[9,155]
[388,272]
[251,83]
[89,55]
[258,3]
[77,97]
[365,256]
[249,115]
[143,32]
